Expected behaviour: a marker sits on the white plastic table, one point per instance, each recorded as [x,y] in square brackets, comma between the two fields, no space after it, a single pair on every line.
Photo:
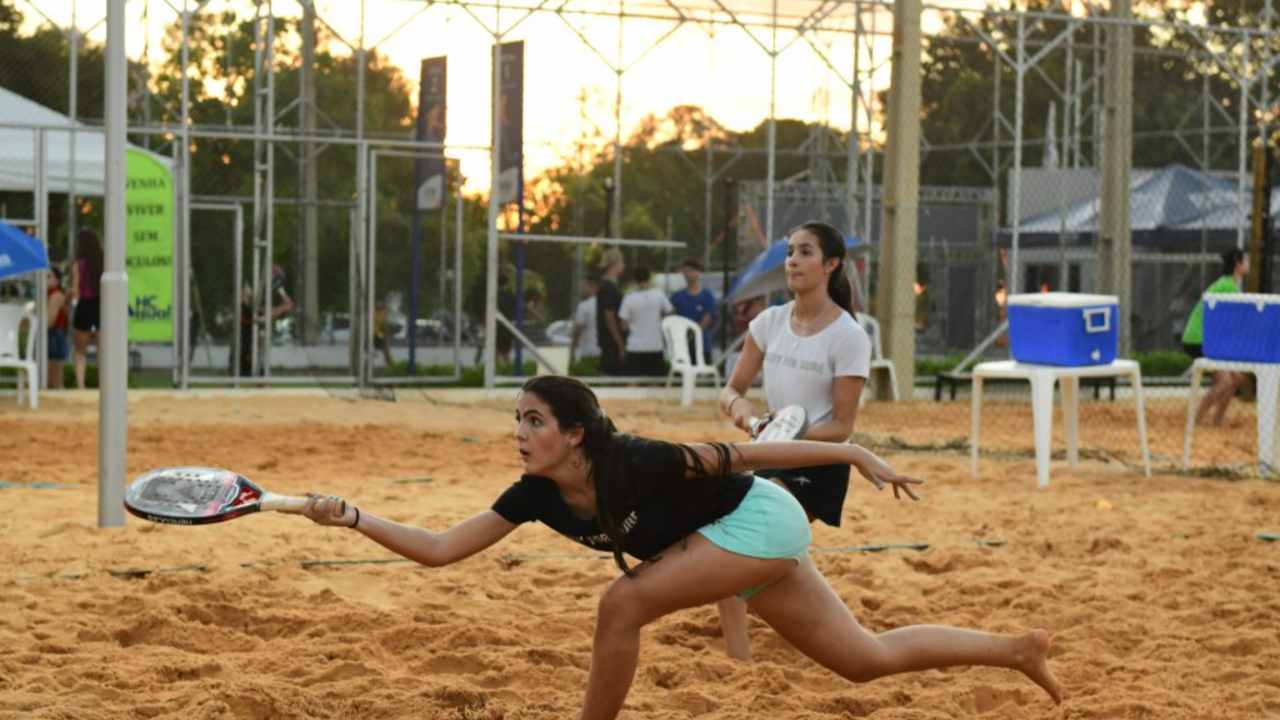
[1268,375]
[1042,379]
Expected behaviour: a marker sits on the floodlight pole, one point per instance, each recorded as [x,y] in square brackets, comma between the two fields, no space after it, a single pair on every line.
[112,349]
[1113,230]
[615,206]
[773,125]
[495,169]
[73,74]
[895,298]
[42,279]
[182,261]
[73,51]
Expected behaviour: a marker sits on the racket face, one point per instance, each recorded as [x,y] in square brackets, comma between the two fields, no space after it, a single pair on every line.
[786,424]
[191,495]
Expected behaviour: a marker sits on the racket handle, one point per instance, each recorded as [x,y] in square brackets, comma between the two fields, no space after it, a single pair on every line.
[283,503]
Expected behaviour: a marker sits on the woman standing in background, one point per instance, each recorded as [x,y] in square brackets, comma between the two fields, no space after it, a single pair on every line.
[814,354]
[86,274]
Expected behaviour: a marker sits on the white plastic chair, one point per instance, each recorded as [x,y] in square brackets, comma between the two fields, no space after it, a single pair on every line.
[11,317]
[878,360]
[675,334]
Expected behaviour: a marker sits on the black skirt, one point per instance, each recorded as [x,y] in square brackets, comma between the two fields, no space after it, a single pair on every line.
[87,315]
[820,489]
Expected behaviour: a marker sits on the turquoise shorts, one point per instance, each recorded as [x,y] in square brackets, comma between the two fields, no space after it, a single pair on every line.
[769,523]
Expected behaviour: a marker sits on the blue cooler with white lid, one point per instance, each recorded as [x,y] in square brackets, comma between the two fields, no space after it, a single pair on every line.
[1244,327]
[1061,328]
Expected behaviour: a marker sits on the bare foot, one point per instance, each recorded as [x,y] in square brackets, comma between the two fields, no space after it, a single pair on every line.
[1033,654]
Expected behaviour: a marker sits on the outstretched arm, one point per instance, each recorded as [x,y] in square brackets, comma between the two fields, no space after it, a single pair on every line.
[418,544]
[784,455]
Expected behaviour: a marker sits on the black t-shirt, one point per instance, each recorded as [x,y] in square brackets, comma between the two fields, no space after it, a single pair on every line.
[668,508]
[607,298]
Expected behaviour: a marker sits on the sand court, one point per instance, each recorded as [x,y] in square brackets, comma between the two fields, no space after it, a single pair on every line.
[1160,594]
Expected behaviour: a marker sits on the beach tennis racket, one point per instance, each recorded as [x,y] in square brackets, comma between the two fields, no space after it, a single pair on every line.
[788,423]
[201,495]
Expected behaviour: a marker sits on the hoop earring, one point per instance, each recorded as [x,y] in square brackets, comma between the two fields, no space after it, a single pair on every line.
[577,462]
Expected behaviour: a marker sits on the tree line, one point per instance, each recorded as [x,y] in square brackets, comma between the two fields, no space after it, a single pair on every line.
[662,158]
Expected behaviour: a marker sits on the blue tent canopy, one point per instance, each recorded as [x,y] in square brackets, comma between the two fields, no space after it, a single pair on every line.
[19,252]
[1175,197]
[765,274]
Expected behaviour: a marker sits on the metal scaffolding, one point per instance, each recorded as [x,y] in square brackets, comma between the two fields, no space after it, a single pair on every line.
[1243,54]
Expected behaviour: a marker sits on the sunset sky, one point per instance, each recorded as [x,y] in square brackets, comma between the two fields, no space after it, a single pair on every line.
[569,89]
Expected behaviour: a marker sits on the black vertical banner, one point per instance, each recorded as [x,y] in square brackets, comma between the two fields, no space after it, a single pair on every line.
[429,171]
[428,178]
[510,121]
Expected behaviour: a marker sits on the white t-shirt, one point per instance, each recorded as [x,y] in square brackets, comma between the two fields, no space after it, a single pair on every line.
[799,370]
[585,317]
[642,310]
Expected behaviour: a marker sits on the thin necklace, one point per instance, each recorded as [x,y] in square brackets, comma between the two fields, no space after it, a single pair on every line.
[795,315]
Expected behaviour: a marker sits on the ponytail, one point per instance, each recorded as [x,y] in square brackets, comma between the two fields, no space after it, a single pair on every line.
[615,488]
[839,289]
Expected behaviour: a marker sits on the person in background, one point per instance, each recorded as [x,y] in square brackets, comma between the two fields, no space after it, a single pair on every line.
[923,300]
[696,303]
[86,273]
[535,315]
[813,353]
[584,343]
[609,333]
[281,305]
[381,328]
[1001,298]
[744,311]
[56,336]
[641,312]
[1235,265]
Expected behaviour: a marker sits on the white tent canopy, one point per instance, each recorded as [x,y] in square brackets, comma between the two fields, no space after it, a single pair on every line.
[18,149]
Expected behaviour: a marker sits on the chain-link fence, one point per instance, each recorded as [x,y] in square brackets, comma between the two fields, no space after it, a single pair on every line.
[274,160]
[1190,200]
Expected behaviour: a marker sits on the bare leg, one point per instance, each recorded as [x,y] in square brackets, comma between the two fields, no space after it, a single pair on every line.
[806,611]
[1231,383]
[81,339]
[733,625]
[693,573]
[1211,399]
[55,374]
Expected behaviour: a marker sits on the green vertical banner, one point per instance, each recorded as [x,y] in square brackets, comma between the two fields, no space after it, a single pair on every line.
[148,249]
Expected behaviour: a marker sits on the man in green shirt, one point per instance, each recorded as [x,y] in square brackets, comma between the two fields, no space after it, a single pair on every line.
[1235,264]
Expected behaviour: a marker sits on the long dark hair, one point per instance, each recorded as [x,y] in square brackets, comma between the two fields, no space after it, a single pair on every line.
[89,247]
[832,244]
[574,405]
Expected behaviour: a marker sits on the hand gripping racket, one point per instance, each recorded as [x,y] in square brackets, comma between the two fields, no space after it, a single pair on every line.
[200,495]
[788,423]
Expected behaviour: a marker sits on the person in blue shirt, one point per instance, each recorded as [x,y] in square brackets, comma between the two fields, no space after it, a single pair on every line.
[696,303]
